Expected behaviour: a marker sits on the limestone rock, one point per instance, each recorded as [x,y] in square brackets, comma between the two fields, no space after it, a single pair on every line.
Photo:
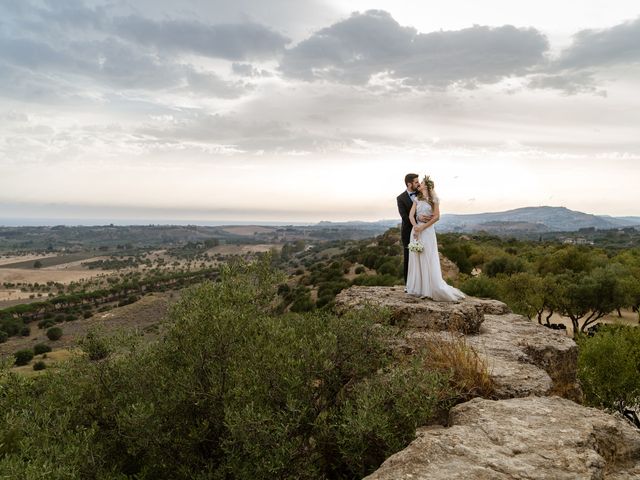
[523,358]
[523,438]
[415,313]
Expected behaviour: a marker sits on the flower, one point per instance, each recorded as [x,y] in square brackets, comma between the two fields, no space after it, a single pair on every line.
[416,246]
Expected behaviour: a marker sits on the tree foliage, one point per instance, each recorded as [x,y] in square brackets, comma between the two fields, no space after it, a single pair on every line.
[230,390]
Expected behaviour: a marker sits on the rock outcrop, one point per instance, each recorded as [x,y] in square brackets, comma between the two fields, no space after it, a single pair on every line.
[422,314]
[523,438]
[529,432]
[523,358]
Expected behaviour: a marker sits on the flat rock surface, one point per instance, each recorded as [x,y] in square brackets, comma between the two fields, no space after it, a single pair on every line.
[521,438]
[523,358]
[416,313]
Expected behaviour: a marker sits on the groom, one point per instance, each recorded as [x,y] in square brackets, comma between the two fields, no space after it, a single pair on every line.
[405,201]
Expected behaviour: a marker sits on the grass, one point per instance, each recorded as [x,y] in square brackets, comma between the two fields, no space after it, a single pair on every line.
[51,359]
[450,352]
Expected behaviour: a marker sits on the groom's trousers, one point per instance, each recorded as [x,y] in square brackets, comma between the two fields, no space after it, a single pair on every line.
[405,249]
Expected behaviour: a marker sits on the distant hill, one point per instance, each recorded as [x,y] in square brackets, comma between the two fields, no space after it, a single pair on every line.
[533,219]
[520,220]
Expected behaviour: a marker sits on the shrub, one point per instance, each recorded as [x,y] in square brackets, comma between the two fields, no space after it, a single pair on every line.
[25,331]
[40,348]
[39,365]
[22,357]
[459,254]
[229,390]
[95,346]
[391,267]
[46,323]
[507,265]
[3,336]
[481,286]
[608,367]
[54,333]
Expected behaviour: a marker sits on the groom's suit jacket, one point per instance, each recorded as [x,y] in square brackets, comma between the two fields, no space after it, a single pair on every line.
[404,207]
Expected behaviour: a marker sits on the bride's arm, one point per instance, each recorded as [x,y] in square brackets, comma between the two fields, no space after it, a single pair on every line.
[434,218]
[412,214]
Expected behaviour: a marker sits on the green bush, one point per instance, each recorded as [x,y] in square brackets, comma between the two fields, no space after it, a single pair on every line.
[54,333]
[40,348]
[481,286]
[3,336]
[25,331]
[608,367]
[391,267]
[95,346]
[507,265]
[39,365]
[229,390]
[46,323]
[22,357]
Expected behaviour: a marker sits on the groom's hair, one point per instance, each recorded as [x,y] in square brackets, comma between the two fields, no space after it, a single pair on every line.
[409,178]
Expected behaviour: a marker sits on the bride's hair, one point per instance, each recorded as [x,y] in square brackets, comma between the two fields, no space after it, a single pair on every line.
[431,196]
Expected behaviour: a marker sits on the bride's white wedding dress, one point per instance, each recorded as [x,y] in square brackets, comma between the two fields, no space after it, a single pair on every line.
[424,278]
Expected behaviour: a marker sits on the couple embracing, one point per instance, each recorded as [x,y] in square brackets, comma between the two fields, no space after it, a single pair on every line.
[419,208]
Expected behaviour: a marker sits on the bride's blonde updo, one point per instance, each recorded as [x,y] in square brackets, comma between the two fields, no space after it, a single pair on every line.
[431,197]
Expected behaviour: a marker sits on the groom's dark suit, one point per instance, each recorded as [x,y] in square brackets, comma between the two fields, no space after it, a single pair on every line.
[404,207]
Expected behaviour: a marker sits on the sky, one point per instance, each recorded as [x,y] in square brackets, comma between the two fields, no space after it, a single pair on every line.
[309,110]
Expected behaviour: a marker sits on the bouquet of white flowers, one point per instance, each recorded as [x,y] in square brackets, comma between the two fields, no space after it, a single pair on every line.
[416,246]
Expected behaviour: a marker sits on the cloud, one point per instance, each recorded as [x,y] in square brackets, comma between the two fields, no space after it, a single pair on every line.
[367,44]
[619,44]
[248,70]
[591,54]
[569,83]
[228,41]
[61,49]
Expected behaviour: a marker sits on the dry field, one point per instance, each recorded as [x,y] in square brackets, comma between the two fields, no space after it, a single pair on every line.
[141,315]
[6,259]
[77,265]
[13,294]
[242,249]
[248,230]
[50,359]
[53,274]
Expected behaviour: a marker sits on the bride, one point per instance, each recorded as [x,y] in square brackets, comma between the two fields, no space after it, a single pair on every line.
[424,278]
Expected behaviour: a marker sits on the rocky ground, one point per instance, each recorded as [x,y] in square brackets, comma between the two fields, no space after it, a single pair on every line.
[536,429]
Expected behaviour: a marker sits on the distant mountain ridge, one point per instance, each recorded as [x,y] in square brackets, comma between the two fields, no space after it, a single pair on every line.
[525,219]
[554,219]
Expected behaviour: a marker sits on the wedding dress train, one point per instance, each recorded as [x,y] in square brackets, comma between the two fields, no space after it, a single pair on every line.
[424,278]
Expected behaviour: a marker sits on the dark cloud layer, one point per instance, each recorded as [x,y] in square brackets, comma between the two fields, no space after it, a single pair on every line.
[81,48]
[58,50]
[364,45]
